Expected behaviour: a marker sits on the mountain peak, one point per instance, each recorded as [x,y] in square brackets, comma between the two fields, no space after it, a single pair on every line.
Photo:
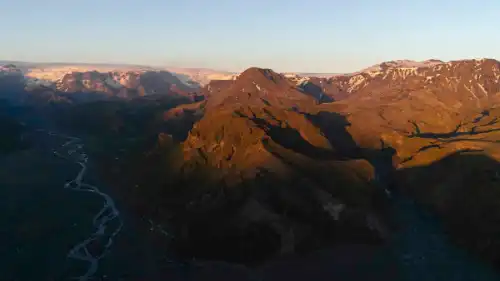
[256,73]
[257,86]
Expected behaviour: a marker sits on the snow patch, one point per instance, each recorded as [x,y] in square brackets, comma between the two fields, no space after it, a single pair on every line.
[483,89]
[257,86]
[471,91]
[355,81]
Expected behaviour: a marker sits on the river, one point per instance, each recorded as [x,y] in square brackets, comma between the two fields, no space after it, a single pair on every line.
[61,223]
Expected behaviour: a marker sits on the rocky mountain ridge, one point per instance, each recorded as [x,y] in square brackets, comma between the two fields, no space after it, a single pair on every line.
[266,121]
[290,164]
[477,77]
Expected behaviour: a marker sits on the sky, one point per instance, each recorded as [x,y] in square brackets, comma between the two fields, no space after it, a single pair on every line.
[327,36]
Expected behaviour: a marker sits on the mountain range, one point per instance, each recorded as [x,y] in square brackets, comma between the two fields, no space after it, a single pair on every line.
[255,166]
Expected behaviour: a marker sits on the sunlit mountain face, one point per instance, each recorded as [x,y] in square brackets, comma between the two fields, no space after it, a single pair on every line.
[284,175]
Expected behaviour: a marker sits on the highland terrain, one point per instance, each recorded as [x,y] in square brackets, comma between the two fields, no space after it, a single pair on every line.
[392,169]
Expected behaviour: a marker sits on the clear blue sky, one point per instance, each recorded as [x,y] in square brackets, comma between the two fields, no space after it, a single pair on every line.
[286,35]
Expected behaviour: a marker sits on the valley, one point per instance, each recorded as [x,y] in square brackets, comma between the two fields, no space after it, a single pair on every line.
[389,173]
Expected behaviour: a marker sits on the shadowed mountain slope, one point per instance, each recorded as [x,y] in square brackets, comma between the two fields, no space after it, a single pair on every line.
[267,167]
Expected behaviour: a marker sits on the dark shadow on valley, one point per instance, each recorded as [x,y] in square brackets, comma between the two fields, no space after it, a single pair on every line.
[316,92]
[12,137]
[334,127]
[444,187]
[462,189]
[290,138]
[475,130]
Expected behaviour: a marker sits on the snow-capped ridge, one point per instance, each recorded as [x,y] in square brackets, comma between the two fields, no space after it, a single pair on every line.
[402,64]
[473,74]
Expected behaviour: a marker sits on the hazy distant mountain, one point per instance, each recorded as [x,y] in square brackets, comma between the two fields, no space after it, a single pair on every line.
[52,71]
[96,81]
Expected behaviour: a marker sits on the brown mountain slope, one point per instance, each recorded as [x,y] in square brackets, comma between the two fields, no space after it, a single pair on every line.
[428,115]
[264,169]
[423,113]
[257,176]
[439,99]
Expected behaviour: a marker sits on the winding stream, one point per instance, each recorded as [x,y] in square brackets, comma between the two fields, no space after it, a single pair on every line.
[107,222]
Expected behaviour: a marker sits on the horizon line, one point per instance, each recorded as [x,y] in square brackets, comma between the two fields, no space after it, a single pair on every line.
[221,70]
